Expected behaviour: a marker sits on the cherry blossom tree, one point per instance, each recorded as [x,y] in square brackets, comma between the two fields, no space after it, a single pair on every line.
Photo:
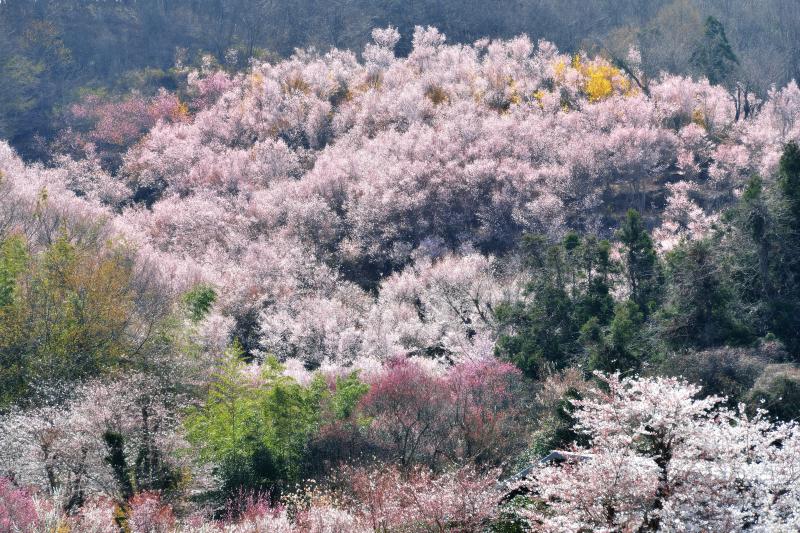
[364,213]
[325,165]
[390,500]
[662,459]
[108,439]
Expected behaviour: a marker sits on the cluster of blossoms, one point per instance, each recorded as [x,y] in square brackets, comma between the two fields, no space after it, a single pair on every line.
[83,445]
[357,215]
[659,458]
[305,184]
[62,447]
[125,122]
[658,454]
[373,501]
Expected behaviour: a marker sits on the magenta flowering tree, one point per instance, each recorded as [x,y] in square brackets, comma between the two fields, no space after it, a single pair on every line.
[470,413]
[17,508]
[485,412]
[407,405]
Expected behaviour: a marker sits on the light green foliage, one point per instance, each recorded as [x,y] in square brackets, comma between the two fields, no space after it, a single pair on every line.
[256,434]
[199,301]
[224,428]
[65,313]
[291,414]
[13,257]
[349,391]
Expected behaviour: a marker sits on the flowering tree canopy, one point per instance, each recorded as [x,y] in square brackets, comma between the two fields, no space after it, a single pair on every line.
[660,458]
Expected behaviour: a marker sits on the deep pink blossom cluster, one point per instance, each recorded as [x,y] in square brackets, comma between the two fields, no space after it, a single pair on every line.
[123,123]
[472,412]
[17,508]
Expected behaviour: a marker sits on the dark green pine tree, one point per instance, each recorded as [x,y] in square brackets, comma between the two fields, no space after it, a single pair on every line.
[570,287]
[786,301]
[759,253]
[619,347]
[641,266]
[713,55]
[752,246]
[698,306]
[789,179]
[541,332]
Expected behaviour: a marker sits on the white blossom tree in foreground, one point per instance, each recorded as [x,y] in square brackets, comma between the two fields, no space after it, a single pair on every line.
[660,458]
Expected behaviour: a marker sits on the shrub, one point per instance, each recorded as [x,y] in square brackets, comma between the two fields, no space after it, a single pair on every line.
[387,499]
[777,390]
[148,514]
[729,372]
[17,509]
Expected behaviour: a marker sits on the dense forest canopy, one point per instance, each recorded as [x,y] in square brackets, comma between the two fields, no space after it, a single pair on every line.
[53,52]
[332,268]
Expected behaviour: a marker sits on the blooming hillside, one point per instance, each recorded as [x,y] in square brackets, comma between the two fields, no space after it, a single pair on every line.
[275,273]
[300,184]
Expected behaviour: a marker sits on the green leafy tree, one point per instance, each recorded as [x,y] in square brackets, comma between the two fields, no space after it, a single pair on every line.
[37,73]
[291,415]
[13,259]
[199,301]
[784,263]
[789,179]
[620,346]
[257,434]
[349,391]
[225,429]
[540,332]
[65,316]
[747,255]
[757,219]
[592,280]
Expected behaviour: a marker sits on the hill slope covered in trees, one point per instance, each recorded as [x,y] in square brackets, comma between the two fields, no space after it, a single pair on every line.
[55,52]
[407,277]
